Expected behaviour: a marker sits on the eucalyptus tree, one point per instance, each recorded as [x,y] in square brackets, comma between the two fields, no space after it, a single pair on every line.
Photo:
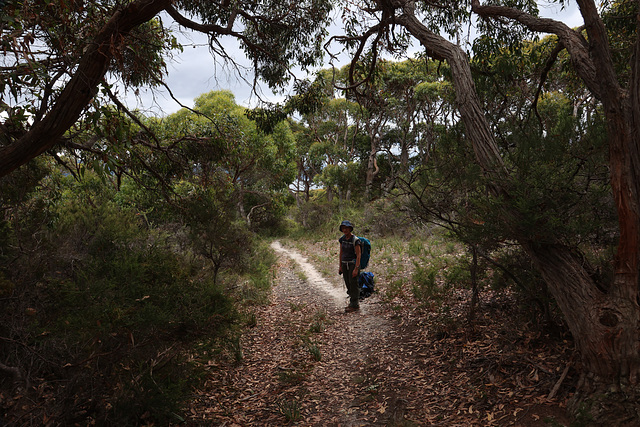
[307,165]
[392,112]
[256,166]
[334,130]
[418,104]
[602,313]
[373,101]
[59,57]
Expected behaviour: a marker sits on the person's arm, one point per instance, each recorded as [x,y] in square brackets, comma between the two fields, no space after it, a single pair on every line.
[356,269]
[340,260]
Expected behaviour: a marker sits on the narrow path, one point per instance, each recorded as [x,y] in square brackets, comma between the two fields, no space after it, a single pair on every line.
[312,275]
[280,379]
[344,379]
[307,363]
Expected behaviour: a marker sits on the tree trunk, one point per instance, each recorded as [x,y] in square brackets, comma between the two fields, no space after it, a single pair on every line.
[372,167]
[307,189]
[404,153]
[603,322]
[329,192]
[605,327]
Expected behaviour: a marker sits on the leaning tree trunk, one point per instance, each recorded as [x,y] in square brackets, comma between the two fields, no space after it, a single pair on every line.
[604,326]
[603,321]
[607,329]
[82,87]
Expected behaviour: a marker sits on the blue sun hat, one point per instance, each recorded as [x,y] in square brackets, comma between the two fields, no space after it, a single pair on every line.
[346,223]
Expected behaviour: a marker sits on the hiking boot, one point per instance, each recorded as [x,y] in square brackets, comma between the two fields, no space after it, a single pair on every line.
[351,309]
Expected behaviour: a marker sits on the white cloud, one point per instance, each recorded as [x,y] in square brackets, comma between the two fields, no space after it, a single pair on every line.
[193,72]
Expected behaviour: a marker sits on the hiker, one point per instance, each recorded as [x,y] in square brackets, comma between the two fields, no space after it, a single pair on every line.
[349,259]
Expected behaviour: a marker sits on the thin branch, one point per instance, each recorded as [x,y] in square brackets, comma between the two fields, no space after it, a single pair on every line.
[570,38]
[132,116]
[543,77]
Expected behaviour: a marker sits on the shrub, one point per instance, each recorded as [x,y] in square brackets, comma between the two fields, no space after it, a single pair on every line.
[424,285]
[112,306]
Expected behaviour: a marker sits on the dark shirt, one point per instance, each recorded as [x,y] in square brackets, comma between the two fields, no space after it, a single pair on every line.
[349,247]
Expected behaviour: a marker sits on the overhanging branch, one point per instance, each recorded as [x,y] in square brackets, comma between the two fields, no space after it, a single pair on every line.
[572,39]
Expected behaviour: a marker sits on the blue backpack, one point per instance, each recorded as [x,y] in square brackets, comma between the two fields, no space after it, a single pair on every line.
[366,283]
[366,252]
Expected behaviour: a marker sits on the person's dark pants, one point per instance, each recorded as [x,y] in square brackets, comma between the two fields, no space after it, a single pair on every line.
[352,283]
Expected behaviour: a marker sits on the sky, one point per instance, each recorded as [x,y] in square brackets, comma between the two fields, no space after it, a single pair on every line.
[196,71]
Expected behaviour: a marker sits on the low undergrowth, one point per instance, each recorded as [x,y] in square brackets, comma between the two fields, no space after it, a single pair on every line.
[498,364]
[107,319]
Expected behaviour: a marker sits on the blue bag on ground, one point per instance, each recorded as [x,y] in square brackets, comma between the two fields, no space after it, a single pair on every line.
[366,283]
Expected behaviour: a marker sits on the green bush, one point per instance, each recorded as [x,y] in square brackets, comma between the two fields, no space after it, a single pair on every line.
[383,218]
[434,275]
[154,395]
[122,292]
[314,216]
[116,303]
[416,248]
[457,273]
[424,284]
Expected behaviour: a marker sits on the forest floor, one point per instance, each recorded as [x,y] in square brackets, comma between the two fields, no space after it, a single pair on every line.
[306,362]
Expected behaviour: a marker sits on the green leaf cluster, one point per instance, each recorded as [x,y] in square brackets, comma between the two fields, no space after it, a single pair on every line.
[134,251]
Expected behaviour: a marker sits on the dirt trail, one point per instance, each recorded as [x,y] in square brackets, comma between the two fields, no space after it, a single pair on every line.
[314,278]
[279,380]
[344,378]
[308,363]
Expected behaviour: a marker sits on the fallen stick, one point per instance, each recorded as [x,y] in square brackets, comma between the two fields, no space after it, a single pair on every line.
[555,388]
